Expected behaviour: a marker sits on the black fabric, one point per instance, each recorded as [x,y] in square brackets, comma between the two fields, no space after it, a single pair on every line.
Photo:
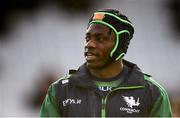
[81,86]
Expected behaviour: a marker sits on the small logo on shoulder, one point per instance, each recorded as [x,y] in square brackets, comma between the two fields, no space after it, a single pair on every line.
[65,81]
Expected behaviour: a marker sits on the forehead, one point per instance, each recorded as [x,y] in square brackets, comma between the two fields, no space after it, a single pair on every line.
[97,28]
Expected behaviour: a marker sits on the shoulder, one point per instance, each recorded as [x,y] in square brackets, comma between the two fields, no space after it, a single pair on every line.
[52,90]
[64,80]
[154,84]
[161,104]
[156,92]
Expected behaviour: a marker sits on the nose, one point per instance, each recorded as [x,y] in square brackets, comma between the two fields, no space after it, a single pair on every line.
[90,44]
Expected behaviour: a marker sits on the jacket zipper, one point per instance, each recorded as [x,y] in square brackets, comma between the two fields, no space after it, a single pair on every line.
[103,109]
[104,99]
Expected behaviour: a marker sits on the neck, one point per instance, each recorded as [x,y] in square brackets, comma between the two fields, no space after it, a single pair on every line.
[109,71]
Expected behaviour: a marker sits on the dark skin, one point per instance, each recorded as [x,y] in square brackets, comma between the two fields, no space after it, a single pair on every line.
[100,40]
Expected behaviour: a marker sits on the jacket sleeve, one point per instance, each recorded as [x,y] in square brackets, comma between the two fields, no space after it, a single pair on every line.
[161,107]
[49,107]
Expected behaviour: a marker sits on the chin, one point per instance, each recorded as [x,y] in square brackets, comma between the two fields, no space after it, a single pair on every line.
[93,65]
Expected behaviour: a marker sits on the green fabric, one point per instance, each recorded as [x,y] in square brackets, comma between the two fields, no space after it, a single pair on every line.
[103,109]
[162,107]
[114,83]
[49,106]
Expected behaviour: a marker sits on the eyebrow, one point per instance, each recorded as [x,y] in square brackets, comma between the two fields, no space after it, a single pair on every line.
[95,34]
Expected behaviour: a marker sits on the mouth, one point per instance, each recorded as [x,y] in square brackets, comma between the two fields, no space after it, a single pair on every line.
[90,56]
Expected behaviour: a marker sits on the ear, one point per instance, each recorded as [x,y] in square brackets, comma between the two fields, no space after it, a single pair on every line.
[112,34]
[124,42]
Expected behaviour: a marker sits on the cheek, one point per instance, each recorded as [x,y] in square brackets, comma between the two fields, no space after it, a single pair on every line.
[106,49]
[106,52]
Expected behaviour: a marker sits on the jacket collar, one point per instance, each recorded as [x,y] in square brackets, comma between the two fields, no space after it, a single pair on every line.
[134,77]
[82,78]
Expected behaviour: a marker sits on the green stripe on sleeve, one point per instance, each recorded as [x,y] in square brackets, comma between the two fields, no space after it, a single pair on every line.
[162,107]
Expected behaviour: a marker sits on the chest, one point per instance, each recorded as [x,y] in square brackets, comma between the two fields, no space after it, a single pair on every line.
[118,103]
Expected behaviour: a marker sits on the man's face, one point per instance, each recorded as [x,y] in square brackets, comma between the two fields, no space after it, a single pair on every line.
[100,40]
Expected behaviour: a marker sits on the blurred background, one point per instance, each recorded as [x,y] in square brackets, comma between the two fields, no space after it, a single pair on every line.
[40,40]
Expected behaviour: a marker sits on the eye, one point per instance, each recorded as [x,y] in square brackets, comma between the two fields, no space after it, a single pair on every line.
[100,38]
[87,38]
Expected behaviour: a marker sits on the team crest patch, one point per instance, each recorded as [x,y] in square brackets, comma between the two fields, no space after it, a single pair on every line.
[130,102]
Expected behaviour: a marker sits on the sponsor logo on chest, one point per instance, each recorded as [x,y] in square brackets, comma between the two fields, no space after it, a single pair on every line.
[130,102]
[69,101]
[105,88]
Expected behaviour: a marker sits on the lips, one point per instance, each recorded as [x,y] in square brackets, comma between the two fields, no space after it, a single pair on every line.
[90,56]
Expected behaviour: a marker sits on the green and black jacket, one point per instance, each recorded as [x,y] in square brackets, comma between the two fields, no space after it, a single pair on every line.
[76,95]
